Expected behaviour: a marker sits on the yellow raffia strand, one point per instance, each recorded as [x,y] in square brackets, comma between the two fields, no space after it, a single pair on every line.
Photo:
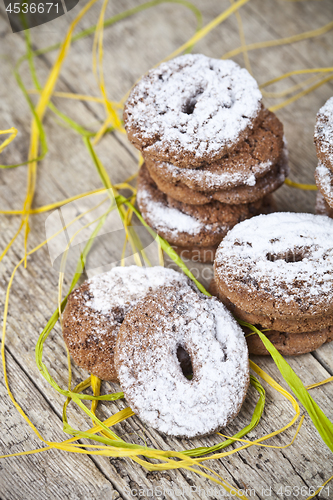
[11,241]
[300,94]
[258,443]
[200,34]
[298,185]
[290,90]
[243,41]
[53,206]
[280,41]
[112,117]
[40,111]
[294,73]
[96,387]
[326,381]
[13,133]
[208,28]
[77,97]
[320,488]
[70,445]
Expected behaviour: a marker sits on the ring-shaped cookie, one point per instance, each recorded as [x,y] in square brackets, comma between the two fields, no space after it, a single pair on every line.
[96,310]
[253,159]
[324,181]
[192,110]
[150,373]
[278,265]
[323,135]
[188,225]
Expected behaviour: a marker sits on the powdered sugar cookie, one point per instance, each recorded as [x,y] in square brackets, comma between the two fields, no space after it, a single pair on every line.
[290,337]
[324,181]
[234,196]
[149,370]
[254,158]
[187,225]
[322,208]
[290,325]
[96,310]
[192,110]
[279,265]
[323,135]
[289,344]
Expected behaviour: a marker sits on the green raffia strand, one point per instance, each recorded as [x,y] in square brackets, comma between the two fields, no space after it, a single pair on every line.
[122,200]
[194,452]
[72,124]
[31,54]
[164,245]
[323,425]
[123,15]
[55,316]
[98,164]
[258,411]
[42,135]
[77,398]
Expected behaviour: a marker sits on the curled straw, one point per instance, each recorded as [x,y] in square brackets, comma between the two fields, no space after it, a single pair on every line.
[113,446]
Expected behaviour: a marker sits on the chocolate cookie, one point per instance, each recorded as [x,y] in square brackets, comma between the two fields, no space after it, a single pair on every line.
[322,208]
[234,196]
[323,135]
[288,343]
[254,158]
[96,310]
[187,225]
[192,110]
[291,325]
[324,181]
[278,265]
[149,370]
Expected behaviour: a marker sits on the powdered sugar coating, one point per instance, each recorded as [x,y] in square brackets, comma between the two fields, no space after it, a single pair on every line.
[322,207]
[324,181]
[192,108]
[239,195]
[323,135]
[252,159]
[150,373]
[279,264]
[184,224]
[96,310]
[205,178]
[123,287]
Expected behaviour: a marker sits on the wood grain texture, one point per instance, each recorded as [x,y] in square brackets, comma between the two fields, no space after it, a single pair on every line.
[132,46]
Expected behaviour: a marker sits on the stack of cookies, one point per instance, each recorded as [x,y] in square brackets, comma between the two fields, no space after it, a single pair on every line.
[323,138]
[275,271]
[148,330]
[213,154]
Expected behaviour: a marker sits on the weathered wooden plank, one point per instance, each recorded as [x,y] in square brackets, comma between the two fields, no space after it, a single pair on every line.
[249,467]
[49,474]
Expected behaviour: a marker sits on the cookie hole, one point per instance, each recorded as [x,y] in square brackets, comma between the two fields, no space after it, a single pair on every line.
[190,103]
[296,255]
[185,362]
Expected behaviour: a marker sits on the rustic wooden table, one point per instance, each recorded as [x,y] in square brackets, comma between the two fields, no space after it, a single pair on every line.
[132,46]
